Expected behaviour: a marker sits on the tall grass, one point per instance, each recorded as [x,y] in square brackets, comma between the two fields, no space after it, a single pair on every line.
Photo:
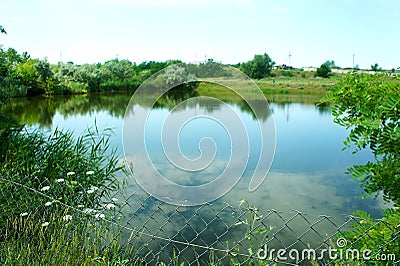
[55,192]
[75,172]
[79,241]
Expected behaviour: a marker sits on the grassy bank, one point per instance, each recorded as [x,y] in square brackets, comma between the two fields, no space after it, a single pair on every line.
[294,85]
[55,191]
[303,90]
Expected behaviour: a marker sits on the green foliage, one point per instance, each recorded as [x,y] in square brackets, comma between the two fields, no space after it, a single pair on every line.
[45,77]
[325,69]
[375,67]
[377,236]
[286,73]
[2,30]
[176,75]
[9,80]
[75,172]
[54,192]
[26,78]
[255,233]
[369,106]
[79,241]
[207,69]
[259,67]
[4,97]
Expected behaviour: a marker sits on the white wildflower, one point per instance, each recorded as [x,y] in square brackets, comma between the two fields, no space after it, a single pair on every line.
[23,214]
[90,172]
[45,224]
[67,217]
[114,199]
[80,206]
[60,180]
[48,203]
[109,206]
[45,188]
[100,216]
[88,210]
[92,189]
[70,173]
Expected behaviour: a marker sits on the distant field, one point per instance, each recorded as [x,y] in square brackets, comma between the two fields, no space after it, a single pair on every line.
[308,91]
[276,85]
[296,85]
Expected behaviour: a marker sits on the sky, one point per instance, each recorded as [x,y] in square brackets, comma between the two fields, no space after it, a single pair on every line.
[229,31]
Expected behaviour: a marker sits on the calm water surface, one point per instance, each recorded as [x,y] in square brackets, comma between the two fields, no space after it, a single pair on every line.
[307,174]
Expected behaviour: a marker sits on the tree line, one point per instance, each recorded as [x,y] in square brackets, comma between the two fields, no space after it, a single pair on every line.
[20,75]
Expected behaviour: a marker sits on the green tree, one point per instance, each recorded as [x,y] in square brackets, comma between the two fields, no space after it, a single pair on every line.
[119,69]
[259,67]
[45,77]
[325,69]
[369,106]
[176,75]
[375,67]
[89,74]
[27,75]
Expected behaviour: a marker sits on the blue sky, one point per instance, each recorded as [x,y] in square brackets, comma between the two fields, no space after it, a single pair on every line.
[230,31]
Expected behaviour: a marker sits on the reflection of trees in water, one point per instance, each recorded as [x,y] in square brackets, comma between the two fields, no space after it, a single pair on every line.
[259,109]
[33,110]
[323,108]
[41,110]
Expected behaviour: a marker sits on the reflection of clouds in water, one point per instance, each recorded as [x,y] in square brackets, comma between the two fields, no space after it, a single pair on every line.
[205,156]
[187,178]
[303,192]
[313,194]
[180,176]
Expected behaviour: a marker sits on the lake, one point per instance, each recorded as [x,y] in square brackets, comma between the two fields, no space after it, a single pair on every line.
[307,173]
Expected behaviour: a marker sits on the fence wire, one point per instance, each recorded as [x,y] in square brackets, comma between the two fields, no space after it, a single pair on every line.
[214,233]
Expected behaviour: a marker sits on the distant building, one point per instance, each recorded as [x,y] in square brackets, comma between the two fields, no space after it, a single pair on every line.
[311,69]
[343,70]
[283,67]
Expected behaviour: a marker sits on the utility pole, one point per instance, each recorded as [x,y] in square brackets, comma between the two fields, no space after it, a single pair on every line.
[353,60]
[60,55]
[289,58]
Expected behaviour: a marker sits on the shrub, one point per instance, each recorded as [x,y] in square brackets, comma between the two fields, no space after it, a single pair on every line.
[258,68]
[324,71]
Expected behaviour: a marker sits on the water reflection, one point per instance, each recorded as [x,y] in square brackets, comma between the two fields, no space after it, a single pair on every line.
[308,143]
[40,111]
[307,173]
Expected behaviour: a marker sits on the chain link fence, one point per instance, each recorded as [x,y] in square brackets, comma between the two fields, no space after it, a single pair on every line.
[151,232]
